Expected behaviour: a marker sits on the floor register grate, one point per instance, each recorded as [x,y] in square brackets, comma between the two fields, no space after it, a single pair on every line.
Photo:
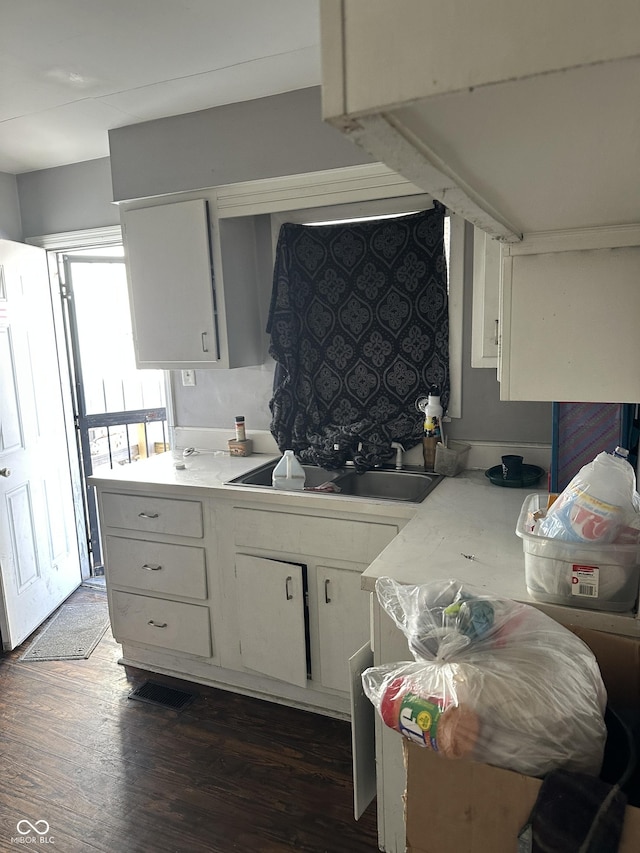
[161,695]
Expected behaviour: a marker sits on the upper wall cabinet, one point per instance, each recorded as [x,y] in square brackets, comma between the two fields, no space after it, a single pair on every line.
[184,315]
[485,328]
[569,317]
[521,117]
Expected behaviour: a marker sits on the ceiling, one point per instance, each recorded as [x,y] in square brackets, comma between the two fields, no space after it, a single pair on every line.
[72,70]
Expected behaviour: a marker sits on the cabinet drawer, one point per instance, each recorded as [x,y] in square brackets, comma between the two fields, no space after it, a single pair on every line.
[156,566]
[152,515]
[157,622]
[340,539]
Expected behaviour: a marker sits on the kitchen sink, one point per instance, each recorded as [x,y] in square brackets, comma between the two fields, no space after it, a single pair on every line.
[388,485]
[383,483]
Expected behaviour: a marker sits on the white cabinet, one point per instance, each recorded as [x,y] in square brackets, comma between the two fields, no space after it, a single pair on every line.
[240,594]
[491,110]
[485,328]
[343,619]
[170,284]
[193,303]
[271,618]
[151,621]
[301,612]
[569,317]
[504,119]
[160,594]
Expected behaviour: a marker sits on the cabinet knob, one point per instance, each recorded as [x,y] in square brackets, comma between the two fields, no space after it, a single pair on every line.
[287,590]
[203,338]
[148,515]
[5,472]
[157,624]
[151,568]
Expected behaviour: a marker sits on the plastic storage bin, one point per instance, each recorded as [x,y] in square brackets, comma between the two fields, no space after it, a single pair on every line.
[576,574]
[452,459]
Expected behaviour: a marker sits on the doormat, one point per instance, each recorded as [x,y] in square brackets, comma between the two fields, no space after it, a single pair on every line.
[159,694]
[72,634]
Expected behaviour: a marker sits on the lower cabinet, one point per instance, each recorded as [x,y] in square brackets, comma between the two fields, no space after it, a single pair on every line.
[300,622]
[266,602]
[273,619]
[297,581]
[158,622]
[343,623]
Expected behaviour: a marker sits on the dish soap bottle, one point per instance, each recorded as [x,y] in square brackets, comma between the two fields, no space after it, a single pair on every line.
[288,473]
[432,429]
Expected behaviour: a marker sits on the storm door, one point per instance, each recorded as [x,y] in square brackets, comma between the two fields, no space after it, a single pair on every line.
[119,411]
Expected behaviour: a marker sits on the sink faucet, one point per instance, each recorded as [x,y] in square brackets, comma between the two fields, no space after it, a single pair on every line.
[399,449]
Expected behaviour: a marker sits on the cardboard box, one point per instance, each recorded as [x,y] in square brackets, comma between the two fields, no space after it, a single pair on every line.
[465,807]
[240,448]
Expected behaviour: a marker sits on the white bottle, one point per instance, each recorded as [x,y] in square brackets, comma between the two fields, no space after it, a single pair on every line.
[597,502]
[288,473]
[433,414]
[432,428]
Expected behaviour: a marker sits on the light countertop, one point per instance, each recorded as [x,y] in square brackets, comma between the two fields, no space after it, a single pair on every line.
[464,529]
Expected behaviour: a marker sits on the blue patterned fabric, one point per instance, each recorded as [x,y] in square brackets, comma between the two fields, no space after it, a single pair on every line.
[359,329]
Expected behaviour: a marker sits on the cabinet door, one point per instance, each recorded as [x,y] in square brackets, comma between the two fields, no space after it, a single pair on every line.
[343,623]
[570,319]
[485,329]
[170,284]
[271,618]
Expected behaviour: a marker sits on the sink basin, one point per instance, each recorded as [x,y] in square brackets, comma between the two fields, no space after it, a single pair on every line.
[377,484]
[388,485]
[314,476]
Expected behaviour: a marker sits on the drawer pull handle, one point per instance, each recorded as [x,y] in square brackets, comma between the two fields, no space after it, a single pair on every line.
[157,624]
[326,590]
[148,515]
[151,568]
[286,588]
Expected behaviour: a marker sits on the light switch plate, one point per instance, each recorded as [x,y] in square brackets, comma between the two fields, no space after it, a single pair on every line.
[188,377]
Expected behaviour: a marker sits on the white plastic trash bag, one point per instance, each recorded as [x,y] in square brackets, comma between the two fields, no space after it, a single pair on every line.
[492,680]
[597,506]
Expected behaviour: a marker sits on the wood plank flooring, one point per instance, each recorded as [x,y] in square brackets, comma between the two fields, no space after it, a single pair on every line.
[107,773]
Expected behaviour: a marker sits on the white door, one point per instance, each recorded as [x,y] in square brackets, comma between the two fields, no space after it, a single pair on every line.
[39,559]
[271,619]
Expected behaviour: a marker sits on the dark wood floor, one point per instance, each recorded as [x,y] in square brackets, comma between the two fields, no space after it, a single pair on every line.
[227,773]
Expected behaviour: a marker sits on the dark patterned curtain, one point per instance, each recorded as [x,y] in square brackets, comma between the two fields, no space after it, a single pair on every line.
[359,329]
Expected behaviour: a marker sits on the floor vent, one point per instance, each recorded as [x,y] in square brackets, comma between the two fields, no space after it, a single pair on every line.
[160,694]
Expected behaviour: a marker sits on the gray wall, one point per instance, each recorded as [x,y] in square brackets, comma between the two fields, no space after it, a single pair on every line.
[67,198]
[10,226]
[268,137]
[264,138]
